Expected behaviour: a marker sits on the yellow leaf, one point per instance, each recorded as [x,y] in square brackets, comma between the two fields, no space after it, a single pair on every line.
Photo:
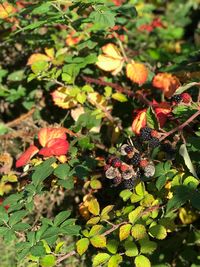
[124,231]
[93,207]
[50,52]
[98,241]
[187,216]
[4,188]
[62,99]
[111,60]
[137,72]
[82,245]
[37,57]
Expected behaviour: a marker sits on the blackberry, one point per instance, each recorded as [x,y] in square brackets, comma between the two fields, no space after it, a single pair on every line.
[128,184]
[154,142]
[145,133]
[176,98]
[116,162]
[128,149]
[136,159]
[117,180]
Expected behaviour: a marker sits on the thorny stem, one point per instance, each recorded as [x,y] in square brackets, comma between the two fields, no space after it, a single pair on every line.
[180,127]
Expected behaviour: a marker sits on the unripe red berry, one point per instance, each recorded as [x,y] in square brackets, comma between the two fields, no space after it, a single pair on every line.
[116,163]
[144,163]
[154,133]
[186,98]
[124,167]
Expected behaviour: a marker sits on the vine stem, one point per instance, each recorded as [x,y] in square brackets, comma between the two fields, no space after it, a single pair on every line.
[121,46]
[180,127]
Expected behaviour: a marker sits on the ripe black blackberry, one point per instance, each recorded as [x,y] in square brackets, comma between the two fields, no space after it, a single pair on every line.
[117,180]
[176,98]
[136,159]
[128,184]
[145,133]
[169,150]
[154,142]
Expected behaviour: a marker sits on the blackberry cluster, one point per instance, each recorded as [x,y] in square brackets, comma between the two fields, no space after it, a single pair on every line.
[129,184]
[145,133]
[176,98]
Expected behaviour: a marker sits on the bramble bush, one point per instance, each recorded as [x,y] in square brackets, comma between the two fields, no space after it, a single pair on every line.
[100,133]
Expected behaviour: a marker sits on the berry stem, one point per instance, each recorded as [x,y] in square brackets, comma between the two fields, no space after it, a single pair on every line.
[180,127]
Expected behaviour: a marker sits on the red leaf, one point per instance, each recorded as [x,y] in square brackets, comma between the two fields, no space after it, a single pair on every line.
[26,156]
[139,121]
[47,134]
[55,147]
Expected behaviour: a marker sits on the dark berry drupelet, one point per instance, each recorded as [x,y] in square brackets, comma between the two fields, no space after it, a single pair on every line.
[116,162]
[154,142]
[145,133]
[128,184]
[136,159]
[176,98]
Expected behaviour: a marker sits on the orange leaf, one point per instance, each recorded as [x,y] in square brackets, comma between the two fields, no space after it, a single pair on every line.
[37,57]
[139,121]
[137,72]
[62,99]
[47,134]
[6,10]
[167,83]
[111,60]
[26,156]
[55,147]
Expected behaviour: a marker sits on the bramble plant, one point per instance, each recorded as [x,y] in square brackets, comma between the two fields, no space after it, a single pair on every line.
[100,105]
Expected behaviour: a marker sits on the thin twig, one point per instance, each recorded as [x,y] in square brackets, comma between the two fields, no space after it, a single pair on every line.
[20,119]
[180,127]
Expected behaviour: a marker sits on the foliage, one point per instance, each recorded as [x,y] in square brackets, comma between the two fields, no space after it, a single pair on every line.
[100,133]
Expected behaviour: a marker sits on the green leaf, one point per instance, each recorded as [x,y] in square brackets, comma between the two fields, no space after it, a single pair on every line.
[96,229]
[115,260]
[120,97]
[152,121]
[125,194]
[17,216]
[98,241]
[131,249]
[43,171]
[134,215]
[158,231]
[124,231]
[82,245]
[103,18]
[184,153]
[38,250]
[138,231]
[41,9]
[39,66]
[3,230]
[147,246]
[81,97]
[95,184]
[16,76]
[112,245]
[48,261]
[142,261]
[181,195]
[61,217]
[100,259]
[62,171]
[183,88]
[21,226]
[71,230]
[160,182]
